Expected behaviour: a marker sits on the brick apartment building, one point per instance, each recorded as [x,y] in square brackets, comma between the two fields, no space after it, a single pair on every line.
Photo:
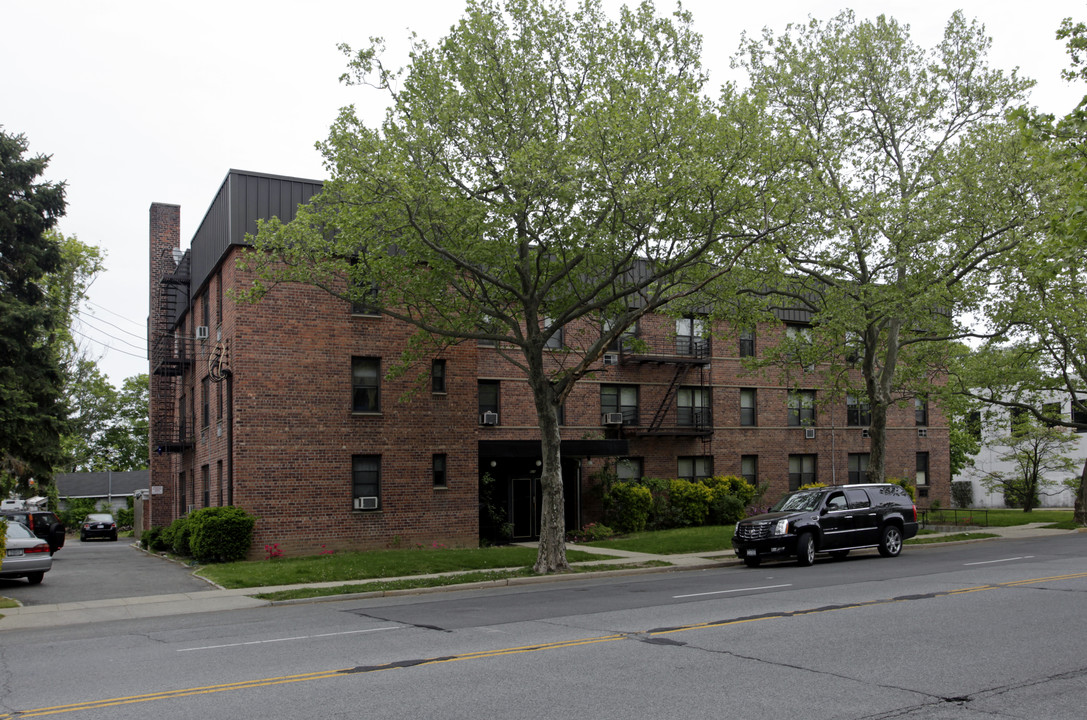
[281,407]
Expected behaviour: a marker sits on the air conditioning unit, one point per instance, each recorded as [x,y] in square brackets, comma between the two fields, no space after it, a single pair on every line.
[922,432]
[865,434]
[366,503]
[809,433]
[201,332]
[488,418]
[611,358]
[613,418]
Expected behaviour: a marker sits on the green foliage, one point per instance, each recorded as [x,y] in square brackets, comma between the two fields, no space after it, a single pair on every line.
[153,539]
[78,509]
[32,411]
[125,517]
[906,484]
[176,536]
[735,486]
[220,534]
[627,506]
[962,493]
[688,503]
[590,533]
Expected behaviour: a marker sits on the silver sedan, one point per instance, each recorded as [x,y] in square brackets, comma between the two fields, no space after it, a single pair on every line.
[27,555]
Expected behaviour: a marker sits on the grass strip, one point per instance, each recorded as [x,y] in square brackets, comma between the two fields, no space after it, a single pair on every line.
[950,538]
[430,582]
[350,566]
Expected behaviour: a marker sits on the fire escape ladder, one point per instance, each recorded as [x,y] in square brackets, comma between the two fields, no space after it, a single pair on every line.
[669,397]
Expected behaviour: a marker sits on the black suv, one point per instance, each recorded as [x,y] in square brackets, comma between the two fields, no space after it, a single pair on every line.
[42,523]
[832,520]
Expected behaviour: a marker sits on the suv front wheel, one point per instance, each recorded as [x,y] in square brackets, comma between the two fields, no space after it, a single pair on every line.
[805,549]
[890,543]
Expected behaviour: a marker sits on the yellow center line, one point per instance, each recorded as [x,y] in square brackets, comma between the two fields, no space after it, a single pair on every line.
[482,654]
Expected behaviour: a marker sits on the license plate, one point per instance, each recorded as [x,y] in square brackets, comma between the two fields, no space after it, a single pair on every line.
[752,553]
[15,552]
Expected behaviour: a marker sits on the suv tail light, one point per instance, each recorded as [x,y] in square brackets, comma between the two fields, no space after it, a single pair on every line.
[43,548]
[915,513]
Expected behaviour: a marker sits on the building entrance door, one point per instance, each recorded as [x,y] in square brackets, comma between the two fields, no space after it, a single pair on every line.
[525,516]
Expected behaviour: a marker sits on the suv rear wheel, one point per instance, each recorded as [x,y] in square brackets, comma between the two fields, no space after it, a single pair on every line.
[805,549]
[890,543]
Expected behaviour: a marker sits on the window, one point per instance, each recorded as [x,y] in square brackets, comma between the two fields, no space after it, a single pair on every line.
[488,397]
[1079,414]
[801,408]
[554,342]
[366,476]
[623,341]
[748,407]
[487,325]
[218,401]
[801,470]
[438,465]
[205,402]
[437,376]
[922,474]
[1053,411]
[693,407]
[219,481]
[920,411]
[205,476]
[689,340]
[858,468]
[365,385]
[367,303]
[620,399]
[854,348]
[1018,420]
[799,338]
[973,425]
[182,418]
[749,468]
[219,298]
[747,343]
[857,414]
[205,310]
[695,468]
[629,468]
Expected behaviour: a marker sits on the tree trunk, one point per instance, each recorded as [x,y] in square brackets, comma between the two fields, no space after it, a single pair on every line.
[552,550]
[1080,512]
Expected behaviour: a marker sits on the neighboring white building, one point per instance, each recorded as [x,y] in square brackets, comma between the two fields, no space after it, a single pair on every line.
[987,461]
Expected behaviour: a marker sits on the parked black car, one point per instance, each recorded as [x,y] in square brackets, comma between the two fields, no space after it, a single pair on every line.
[43,523]
[832,520]
[98,525]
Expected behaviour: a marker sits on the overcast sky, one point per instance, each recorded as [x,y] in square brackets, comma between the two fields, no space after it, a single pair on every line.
[141,102]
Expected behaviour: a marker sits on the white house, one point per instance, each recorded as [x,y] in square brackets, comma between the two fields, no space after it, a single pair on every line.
[987,461]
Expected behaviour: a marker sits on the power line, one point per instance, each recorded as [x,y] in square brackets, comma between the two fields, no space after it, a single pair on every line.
[84,321]
[140,336]
[108,347]
[116,314]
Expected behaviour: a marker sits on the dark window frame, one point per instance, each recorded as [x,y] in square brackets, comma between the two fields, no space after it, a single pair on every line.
[858,467]
[803,476]
[705,461]
[801,408]
[366,390]
[366,477]
[439,465]
[749,414]
[857,413]
[438,377]
[630,412]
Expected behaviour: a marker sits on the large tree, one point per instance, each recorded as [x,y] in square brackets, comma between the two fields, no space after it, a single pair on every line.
[916,188]
[538,168]
[32,410]
[1037,357]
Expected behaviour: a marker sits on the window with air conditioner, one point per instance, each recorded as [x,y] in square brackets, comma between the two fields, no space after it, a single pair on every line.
[488,402]
[366,481]
[622,399]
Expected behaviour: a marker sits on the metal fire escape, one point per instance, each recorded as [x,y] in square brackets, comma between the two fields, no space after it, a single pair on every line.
[171,355]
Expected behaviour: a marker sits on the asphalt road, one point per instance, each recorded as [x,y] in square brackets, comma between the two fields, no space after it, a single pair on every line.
[988,631]
[100,570]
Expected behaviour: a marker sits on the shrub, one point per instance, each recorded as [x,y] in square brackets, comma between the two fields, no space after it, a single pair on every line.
[125,518]
[591,532]
[659,515]
[220,534]
[627,506]
[735,486]
[962,493]
[152,539]
[176,537]
[688,503]
[77,511]
[725,508]
[907,485]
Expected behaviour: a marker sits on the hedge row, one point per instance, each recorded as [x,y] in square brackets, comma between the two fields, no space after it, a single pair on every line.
[654,504]
[214,534]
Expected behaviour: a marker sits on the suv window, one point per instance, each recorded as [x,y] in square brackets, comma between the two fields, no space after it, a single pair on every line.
[836,502]
[856,498]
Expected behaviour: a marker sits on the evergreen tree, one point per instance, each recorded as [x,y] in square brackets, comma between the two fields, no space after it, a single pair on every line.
[32,412]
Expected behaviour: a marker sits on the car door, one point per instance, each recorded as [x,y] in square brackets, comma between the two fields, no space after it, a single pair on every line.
[865,518]
[836,521]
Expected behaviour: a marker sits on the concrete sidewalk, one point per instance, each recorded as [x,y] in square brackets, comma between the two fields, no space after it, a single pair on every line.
[212,600]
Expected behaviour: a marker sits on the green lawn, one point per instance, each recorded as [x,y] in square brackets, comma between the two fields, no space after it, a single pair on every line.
[1001,517]
[372,565]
